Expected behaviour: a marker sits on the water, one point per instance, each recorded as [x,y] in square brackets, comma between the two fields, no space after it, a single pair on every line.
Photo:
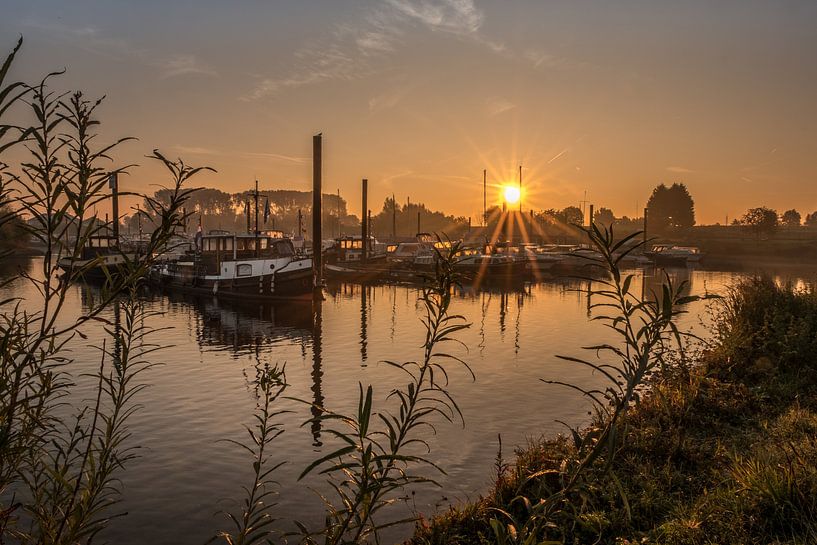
[201,395]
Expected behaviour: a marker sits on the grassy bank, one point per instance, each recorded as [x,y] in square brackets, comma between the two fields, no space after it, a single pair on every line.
[724,452]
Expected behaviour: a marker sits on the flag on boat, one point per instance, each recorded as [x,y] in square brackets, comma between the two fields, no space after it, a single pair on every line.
[266,211]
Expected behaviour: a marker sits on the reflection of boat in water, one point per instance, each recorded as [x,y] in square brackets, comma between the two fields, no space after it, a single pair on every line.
[247,266]
[667,254]
[239,324]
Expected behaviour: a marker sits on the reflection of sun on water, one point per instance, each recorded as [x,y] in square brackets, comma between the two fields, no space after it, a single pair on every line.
[512,194]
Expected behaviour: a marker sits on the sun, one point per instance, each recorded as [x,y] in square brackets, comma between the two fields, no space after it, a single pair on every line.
[512,194]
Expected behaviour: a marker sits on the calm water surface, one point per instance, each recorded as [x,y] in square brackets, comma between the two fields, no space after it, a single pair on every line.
[202,393]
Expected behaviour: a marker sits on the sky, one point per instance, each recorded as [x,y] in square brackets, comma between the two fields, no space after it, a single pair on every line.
[598,98]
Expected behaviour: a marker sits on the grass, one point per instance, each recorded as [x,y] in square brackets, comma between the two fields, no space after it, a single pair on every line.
[724,453]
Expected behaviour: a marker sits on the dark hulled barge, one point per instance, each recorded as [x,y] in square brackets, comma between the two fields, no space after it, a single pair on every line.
[241,266]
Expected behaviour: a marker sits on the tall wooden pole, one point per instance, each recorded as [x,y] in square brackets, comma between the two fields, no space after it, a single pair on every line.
[484,197]
[364,224]
[645,228]
[113,181]
[520,188]
[257,231]
[393,217]
[418,222]
[317,270]
[590,219]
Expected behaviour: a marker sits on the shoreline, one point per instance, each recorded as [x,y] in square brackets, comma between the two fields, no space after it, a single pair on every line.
[723,452]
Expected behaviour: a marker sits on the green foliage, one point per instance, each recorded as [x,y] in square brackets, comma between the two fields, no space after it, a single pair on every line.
[722,454]
[255,522]
[381,451]
[763,325]
[58,476]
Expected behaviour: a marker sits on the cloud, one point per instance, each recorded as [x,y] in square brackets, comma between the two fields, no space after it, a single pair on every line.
[181,65]
[498,105]
[679,170]
[352,48]
[277,157]
[456,16]
[193,150]
[93,40]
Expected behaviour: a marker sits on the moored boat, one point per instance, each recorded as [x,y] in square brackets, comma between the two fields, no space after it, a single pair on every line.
[99,259]
[668,254]
[241,266]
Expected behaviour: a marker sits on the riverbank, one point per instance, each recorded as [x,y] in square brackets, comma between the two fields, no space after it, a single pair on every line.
[723,453]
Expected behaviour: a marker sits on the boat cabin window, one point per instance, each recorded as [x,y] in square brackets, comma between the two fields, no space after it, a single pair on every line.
[282,249]
[228,244]
[243,269]
[351,244]
[96,242]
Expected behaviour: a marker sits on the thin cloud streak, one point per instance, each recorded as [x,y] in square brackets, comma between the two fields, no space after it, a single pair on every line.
[347,56]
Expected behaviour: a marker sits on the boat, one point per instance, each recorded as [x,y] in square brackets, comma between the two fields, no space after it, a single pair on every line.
[668,254]
[99,259]
[242,266]
[541,258]
[488,265]
[349,250]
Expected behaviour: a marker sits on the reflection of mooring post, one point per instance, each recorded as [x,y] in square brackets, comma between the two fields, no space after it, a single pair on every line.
[364,224]
[317,371]
[317,271]
[117,337]
[364,338]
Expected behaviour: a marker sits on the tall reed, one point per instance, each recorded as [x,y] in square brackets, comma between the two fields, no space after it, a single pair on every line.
[647,334]
[58,479]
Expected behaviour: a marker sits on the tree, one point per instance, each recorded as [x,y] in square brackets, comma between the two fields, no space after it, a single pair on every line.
[572,215]
[670,208]
[811,220]
[791,218]
[761,220]
[604,216]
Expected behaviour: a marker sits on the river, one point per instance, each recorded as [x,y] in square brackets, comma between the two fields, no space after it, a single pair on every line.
[201,394]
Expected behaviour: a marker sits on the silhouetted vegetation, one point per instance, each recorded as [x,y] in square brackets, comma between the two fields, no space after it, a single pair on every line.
[670,208]
[761,220]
